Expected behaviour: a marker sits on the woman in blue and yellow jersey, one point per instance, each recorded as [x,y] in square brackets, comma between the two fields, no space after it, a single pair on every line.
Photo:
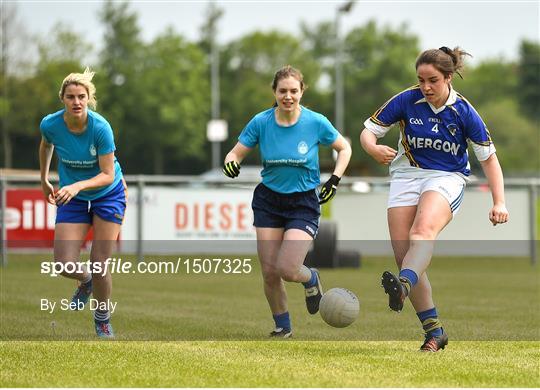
[428,176]
[286,206]
[92,192]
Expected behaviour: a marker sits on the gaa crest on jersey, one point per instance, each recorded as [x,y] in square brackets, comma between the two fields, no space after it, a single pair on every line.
[302,147]
[92,150]
[452,127]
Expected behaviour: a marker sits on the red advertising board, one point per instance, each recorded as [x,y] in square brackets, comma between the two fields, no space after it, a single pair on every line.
[29,219]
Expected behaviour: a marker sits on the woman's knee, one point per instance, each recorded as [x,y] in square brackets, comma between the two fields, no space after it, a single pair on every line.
[270,274]
[102,251]
[422,232]
[288,272]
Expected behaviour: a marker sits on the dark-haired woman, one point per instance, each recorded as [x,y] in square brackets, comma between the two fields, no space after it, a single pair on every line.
[428,176]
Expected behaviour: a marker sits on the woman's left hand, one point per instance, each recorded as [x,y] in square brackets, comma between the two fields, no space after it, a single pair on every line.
[329,189]
[498,214]
[65,194]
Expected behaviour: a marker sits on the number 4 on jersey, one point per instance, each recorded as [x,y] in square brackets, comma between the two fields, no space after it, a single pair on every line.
[435,128]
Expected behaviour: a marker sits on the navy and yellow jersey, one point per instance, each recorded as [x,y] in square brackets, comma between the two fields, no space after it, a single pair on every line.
[432,141]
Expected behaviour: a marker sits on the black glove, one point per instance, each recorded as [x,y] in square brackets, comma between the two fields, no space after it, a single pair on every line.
[231,169]
[329,189]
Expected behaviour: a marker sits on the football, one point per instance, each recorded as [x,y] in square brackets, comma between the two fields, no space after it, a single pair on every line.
[339,307]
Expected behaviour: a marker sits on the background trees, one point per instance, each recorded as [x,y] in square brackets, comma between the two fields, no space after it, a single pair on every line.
[248,67]
[157,94]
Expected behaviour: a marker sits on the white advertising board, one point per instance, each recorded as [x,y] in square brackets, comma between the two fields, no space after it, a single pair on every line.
[221,219]
[191,214]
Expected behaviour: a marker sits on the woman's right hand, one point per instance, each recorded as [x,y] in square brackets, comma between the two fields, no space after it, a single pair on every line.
[383,154]
[231,169]
[48,191]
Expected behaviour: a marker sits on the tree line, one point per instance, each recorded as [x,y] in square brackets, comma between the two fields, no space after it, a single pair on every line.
[156,95]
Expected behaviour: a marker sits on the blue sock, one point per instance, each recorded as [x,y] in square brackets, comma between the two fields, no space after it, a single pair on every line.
[282,320]
[430,322]
[410,275]
[313,281]
[409,278]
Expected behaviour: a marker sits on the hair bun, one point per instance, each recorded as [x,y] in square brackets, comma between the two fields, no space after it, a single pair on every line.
[451,53]
[446,49]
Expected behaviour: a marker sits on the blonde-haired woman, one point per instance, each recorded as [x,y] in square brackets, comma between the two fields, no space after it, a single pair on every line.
[92,192]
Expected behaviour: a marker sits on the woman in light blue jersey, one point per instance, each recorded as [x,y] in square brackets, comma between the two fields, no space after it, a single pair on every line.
[92,193]
[285,205]
[428,176]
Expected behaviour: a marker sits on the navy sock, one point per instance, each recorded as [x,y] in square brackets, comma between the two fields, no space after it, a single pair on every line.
[313,281]
[430,322]
[282,320]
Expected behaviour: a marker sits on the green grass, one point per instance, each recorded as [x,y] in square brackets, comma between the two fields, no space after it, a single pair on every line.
[538,218]
[268,364]
[210,331]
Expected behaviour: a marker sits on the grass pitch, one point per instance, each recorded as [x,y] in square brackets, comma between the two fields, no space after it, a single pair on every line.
[210,331]
[268,364]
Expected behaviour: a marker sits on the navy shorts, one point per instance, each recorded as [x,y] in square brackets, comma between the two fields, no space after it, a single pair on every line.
[299,210]
[110,207]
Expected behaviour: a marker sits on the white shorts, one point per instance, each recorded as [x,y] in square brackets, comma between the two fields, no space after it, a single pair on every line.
[407,192]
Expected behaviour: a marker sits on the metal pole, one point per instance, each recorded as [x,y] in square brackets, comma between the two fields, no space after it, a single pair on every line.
[533,229]
[216,154]
[339,76]
[3,229]
[215,14]
[340,93]
[140,203]
[214,67]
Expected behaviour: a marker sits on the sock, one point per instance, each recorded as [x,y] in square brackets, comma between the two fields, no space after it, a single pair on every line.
[87,279]
[430,322]
[102,316]
[409,278]
[282,320]
[313,281]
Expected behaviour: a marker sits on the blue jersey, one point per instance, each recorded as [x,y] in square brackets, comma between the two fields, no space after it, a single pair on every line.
[432,140]
[289,154]
[78,153]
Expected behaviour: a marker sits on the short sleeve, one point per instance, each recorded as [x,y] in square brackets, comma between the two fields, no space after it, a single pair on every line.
[45,131]
[250,135]
[105,139]
[478,135]
[327,133]
[389,113]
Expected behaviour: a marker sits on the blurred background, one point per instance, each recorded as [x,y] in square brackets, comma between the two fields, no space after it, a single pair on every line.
[165,69]
[167,72]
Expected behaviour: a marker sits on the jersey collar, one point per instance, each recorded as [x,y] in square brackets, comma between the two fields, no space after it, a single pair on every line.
[452,97]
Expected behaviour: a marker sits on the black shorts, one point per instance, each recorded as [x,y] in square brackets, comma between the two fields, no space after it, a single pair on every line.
[298,210]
